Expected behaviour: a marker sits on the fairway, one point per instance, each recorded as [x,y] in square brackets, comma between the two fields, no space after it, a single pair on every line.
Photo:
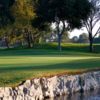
[19,65]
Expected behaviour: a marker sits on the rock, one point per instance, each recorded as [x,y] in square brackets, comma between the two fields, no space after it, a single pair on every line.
[41,88]
[2,92]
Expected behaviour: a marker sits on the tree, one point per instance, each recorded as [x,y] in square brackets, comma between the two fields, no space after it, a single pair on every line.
[74,39]
[6,16]
[66,14]
[5,13]
[92,22]
[22,11]
[65,37]
[83,38]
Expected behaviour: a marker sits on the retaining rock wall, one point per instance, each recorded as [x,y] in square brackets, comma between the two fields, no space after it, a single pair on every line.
[41,88]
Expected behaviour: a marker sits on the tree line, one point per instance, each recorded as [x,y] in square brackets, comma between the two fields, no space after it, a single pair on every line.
[31,20]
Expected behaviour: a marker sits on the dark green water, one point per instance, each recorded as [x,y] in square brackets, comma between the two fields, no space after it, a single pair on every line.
[93,95]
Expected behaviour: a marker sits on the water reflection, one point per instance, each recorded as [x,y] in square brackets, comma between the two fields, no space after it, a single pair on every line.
[94,95]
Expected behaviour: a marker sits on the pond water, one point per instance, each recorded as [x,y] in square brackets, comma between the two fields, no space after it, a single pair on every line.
[93,95]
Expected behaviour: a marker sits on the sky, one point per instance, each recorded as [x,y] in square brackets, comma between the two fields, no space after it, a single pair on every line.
[77,32]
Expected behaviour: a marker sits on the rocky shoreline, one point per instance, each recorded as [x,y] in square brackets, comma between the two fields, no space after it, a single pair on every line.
[42,88]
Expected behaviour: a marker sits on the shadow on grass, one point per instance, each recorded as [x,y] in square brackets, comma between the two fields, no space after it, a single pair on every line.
[73,65]
[51,49]
[44,52]
[14,75]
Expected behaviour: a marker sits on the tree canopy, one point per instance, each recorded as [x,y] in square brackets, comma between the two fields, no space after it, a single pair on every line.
[69,13]
[91,24]
[23,11]
[73,11]
[5,13]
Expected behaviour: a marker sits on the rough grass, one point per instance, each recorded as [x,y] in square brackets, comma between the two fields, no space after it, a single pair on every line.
[17,65]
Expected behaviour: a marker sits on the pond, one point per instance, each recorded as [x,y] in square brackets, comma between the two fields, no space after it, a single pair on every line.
[93,95]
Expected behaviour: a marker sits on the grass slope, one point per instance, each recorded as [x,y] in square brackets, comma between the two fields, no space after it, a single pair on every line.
[19,65]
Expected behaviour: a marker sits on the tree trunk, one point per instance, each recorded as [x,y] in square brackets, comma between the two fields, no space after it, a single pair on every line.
[60,33]
[91,42]
[91,46]
[29,44]
[7,43]
[59,42]
[29,40]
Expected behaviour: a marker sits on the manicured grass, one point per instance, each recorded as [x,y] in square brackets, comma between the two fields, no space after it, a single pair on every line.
[17,65]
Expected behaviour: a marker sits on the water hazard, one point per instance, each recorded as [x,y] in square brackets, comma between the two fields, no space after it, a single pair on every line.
[93,95]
